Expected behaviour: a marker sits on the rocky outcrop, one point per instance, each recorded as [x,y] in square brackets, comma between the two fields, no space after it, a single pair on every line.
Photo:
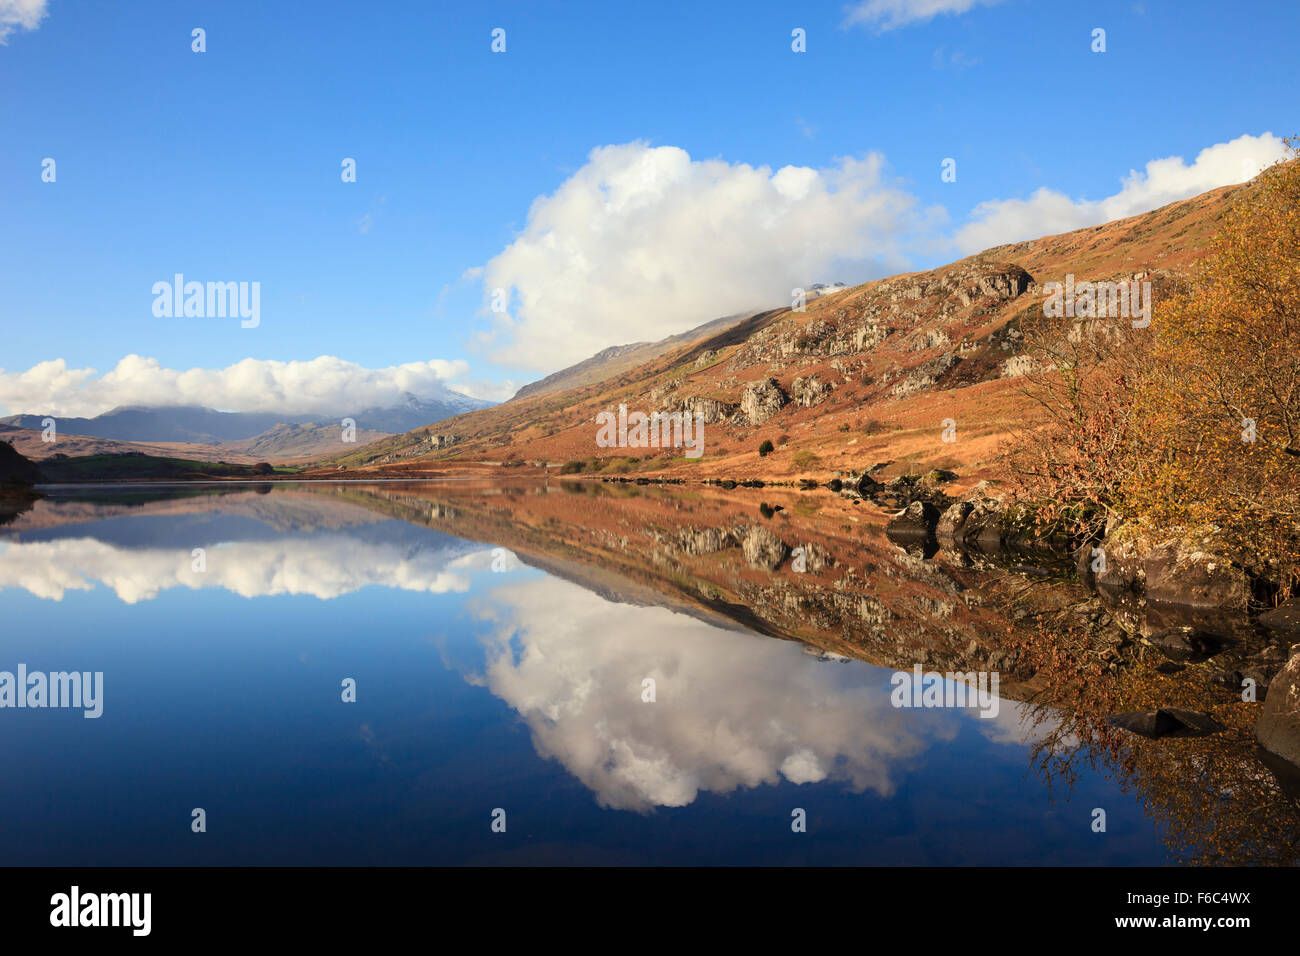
[815,557]
[925,375]
[808,391]
[1278,728]
[697,541]
[763,549]
[713,410]
[761,400]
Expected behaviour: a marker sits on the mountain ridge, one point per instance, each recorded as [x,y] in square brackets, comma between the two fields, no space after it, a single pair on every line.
[867,374]
[262,434]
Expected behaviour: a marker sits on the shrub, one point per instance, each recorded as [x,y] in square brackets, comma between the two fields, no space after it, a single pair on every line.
[765,449]
[1192,422]
[573,467]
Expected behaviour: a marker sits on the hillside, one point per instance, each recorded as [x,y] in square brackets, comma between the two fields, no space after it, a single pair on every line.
[620,358]
[206,434]
[861,376]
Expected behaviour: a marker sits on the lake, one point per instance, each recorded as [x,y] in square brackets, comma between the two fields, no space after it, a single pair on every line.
[541,674]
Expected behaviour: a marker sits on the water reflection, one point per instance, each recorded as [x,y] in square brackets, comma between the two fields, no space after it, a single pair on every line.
[729,710]
[553,608]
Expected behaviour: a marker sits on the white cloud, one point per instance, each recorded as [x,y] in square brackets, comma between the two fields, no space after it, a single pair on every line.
[644,242]
[731,709]
[19,14]
[1048,212]
[891,14]
[323,567]
[322,385]
[488,390]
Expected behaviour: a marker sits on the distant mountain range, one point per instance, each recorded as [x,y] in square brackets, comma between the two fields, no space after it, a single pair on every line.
[265,434]
[203,425]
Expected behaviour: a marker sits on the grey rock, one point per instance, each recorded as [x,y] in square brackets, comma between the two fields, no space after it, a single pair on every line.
[917,520]
[1278,728]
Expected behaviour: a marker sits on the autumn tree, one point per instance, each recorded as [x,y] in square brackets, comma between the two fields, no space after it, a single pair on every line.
[1190,424]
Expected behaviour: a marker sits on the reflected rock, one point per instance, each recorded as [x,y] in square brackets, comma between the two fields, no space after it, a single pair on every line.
[1166,722]
[763,549]
[1278,729]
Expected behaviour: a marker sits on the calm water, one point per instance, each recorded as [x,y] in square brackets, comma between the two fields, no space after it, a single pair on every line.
[476,689]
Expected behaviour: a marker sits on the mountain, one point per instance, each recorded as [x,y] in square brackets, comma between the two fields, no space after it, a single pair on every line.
[290,442]
[412,412]
[184,423]
[868,374]
[264,435]
[618,358]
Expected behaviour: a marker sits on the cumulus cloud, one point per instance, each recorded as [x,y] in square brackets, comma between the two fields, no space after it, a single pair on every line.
[645,242]
[323,385]
[732,710]
[19,14]
[885,15]
[1048,212]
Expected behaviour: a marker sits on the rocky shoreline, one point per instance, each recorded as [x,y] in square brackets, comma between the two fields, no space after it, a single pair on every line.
[1175,595]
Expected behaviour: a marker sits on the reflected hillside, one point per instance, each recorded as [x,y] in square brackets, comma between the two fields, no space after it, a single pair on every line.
[680,584]
[1058,646]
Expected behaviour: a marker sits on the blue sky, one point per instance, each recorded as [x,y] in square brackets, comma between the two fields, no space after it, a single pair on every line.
[225,166]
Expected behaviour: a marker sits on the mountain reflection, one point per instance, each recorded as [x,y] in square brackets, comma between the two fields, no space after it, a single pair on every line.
[698,592]
[733,709]
[253,545]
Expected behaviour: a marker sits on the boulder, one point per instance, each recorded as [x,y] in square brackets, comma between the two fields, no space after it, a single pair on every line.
[953,520]
[1278,728]
[1177,573]
[1124,571]
[917,520]
[1184,644]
